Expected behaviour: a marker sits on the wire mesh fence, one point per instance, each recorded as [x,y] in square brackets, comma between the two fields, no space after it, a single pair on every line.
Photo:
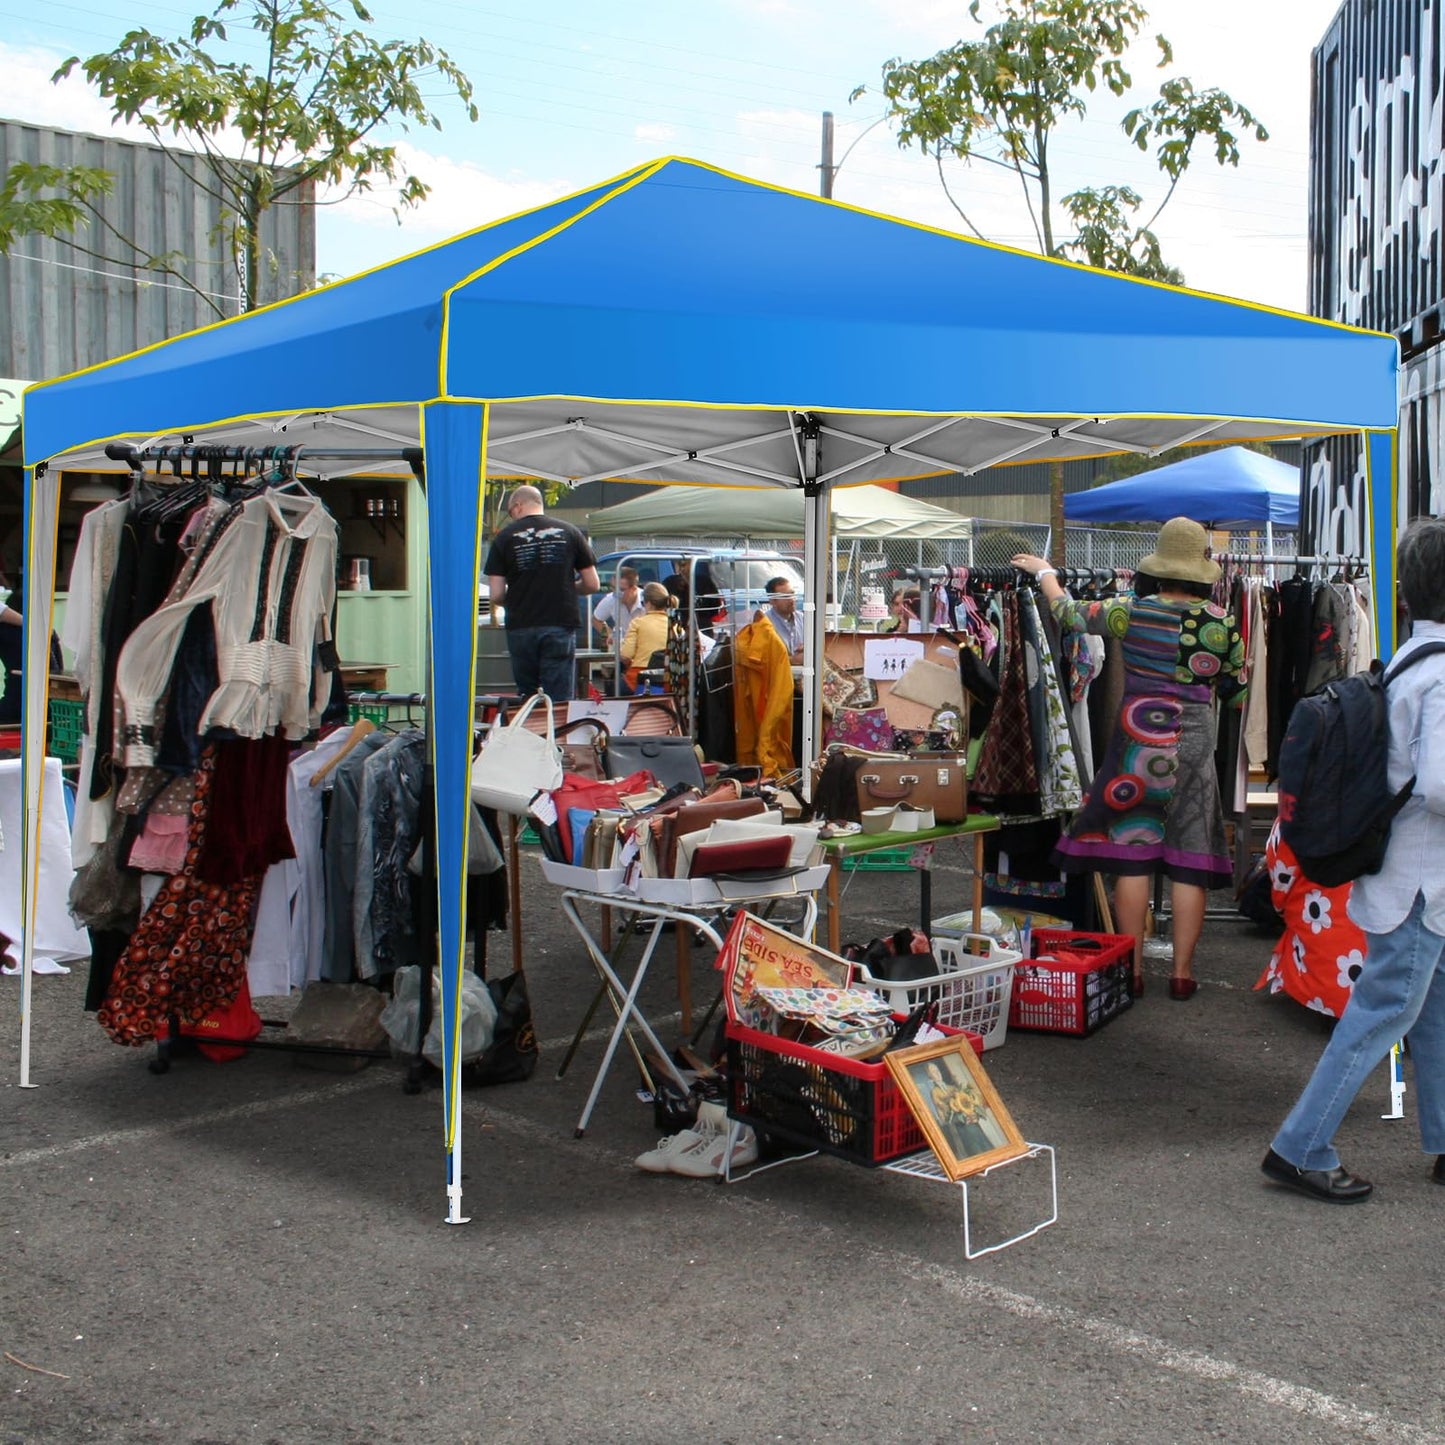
[868,574]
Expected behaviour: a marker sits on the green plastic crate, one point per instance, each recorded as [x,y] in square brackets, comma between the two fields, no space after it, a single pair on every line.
[67,724]
[880,860]
[377,712]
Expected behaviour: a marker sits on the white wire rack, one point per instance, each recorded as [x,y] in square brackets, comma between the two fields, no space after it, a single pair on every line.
[925,1166]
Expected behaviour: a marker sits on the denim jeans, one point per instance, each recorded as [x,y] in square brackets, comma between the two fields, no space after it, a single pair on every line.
[1400,992]
[544,657]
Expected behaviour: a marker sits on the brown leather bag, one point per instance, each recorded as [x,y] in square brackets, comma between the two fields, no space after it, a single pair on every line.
[693,817]
[583,757]
[924,780]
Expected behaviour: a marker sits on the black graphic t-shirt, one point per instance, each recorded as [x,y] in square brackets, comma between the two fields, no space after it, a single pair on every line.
[540,557]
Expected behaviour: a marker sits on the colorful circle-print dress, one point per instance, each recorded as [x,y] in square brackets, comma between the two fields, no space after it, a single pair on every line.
[1154,804]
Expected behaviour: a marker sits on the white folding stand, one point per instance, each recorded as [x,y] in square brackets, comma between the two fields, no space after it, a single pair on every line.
[625,994]
[925,1166]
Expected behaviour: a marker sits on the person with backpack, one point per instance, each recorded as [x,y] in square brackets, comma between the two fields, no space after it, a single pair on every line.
[1400,991]
[1154,804]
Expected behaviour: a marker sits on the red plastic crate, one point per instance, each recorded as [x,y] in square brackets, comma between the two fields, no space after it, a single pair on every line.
[802,1097]
[1074,984]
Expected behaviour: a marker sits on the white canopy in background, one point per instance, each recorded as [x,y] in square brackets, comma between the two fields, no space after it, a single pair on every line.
[773,514]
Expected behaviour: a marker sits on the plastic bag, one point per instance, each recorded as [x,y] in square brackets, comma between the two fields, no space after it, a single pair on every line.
[400,1017]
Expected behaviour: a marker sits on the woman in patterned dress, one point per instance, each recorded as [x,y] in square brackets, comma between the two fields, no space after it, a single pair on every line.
[1154,804]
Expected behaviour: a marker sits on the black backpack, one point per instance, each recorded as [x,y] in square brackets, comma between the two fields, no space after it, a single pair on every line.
[1335,803]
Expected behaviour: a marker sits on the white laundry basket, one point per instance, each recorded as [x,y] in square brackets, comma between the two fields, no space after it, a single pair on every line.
[971,988]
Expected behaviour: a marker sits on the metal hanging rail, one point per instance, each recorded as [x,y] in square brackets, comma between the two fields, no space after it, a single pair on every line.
[188,453]
[1002,576]
[1265,559]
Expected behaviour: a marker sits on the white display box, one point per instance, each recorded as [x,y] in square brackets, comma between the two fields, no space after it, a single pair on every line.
[688,891]
[594,880]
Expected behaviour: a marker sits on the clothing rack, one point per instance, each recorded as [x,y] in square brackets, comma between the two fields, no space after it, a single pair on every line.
[291,457]
[1006,576]
[399,699]
[207,463]
[1290,561]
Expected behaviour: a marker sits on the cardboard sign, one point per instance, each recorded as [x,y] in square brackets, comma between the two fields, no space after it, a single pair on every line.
[886,658]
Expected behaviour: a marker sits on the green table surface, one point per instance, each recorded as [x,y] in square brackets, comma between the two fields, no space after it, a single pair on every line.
[867,842]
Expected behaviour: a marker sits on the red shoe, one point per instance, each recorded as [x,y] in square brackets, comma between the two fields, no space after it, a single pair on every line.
[1182,988]
[1136,990]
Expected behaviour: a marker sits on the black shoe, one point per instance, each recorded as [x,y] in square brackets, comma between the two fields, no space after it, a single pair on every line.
[1438,1173]
[1334,1186]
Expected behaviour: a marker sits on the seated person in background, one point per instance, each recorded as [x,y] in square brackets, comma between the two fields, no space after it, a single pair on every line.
[782,612]
[615,613]
[647,634]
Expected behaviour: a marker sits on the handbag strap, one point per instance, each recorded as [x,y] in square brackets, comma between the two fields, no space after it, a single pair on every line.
[520,721]
[601,729]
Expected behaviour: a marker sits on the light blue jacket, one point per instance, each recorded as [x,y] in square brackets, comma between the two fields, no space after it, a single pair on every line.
[1415,856]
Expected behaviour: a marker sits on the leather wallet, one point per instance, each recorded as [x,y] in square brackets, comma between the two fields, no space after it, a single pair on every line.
[694,817]
[753,855]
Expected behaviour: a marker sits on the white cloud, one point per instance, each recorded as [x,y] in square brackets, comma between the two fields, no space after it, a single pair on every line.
[70,104]
[361,231]
[654,131]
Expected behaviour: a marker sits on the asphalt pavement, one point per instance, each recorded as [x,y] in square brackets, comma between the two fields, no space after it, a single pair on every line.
[255,1251]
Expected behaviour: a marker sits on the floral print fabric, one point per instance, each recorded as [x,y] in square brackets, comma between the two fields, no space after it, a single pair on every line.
[1322,950]
[187,958]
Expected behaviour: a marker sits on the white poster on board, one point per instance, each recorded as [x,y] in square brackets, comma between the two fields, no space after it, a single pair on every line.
[885,658]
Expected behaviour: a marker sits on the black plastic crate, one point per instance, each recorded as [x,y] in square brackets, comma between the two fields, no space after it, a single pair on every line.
[800,1097]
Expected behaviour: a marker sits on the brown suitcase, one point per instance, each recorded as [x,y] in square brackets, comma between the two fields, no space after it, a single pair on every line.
[924,780]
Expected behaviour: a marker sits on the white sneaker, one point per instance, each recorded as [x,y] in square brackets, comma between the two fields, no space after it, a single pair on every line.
[712,1120]
[704,1160]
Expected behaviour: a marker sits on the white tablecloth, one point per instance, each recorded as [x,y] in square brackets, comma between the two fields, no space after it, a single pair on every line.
[56,936]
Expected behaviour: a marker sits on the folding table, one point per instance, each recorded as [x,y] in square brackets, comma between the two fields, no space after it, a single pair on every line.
[696,916]
[855,844]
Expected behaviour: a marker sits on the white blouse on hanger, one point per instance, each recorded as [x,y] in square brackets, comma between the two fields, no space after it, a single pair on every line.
[270,582]
[91,570]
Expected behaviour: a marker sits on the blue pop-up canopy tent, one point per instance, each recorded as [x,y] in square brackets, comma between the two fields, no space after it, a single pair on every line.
[682,324]
[1229,488]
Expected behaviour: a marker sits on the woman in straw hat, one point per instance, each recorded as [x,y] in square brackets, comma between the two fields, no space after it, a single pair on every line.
[1154,805]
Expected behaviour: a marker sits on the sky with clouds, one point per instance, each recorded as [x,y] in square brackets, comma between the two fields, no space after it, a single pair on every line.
[573,91]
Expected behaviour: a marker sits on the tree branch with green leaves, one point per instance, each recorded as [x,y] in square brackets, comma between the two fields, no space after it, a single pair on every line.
[313,110]
[1004,99]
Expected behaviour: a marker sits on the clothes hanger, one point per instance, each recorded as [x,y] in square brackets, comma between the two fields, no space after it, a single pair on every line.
[359,729]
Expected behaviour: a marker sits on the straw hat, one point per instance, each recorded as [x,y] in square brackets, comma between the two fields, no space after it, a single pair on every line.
[1181,552]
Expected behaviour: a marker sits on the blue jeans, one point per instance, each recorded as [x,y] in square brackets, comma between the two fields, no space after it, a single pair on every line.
[546,658]
[1400,992]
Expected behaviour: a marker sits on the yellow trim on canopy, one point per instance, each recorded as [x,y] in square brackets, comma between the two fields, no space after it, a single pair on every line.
[1281,428]
[625,184]
[1018,251]
[326,286]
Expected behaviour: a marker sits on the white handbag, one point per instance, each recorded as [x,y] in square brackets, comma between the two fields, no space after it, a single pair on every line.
[516,764]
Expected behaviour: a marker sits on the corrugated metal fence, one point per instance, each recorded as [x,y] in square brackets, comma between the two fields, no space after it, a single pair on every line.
[65,309]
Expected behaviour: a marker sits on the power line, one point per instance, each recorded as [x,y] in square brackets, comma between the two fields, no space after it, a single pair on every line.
[120,276]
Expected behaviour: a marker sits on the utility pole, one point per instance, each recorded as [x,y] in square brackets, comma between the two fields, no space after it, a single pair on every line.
[826,168]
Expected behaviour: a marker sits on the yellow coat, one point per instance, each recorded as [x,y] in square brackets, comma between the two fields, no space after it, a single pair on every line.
[763,699]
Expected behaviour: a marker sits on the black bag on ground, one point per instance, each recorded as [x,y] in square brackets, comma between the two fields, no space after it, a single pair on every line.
[1335,803]
[513,1054]
[1254,898]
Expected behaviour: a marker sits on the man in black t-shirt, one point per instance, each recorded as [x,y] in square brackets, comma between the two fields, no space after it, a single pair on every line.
[538,567]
